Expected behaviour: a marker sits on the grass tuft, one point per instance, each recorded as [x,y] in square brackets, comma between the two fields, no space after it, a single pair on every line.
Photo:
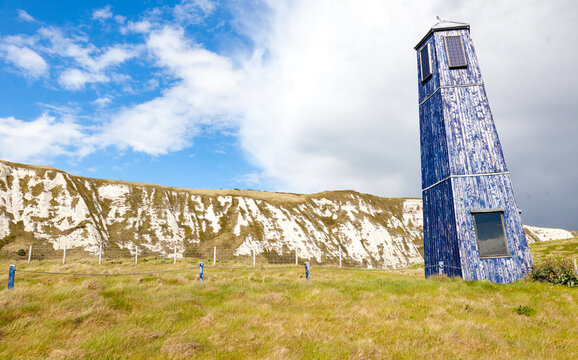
[525,310]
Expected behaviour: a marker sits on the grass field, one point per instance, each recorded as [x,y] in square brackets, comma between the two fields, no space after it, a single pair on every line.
[277,314]
[567,248]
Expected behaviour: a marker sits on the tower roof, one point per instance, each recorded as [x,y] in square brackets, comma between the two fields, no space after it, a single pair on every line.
[443,25]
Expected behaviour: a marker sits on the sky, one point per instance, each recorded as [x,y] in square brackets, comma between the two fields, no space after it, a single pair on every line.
[292,96]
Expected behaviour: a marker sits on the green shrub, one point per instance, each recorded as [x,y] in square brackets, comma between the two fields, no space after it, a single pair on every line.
[554,271]
[524,310]
[21,252]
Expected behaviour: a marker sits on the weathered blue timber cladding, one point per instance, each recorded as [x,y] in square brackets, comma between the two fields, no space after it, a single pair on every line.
[463,169]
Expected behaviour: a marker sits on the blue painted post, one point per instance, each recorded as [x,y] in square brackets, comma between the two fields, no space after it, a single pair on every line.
[202,272]
[11,273]
[307,271]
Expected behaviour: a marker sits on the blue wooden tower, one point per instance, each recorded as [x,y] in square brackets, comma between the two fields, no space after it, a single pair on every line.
[471,221]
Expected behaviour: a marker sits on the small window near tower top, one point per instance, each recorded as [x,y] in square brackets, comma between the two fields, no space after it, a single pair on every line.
[490,233]
[425,62]
[455,51]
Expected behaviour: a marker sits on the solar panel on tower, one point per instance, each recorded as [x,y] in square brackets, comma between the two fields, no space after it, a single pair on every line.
[455,51]
[425,61]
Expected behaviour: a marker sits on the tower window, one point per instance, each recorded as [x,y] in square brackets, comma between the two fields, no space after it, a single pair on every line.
[490,233]
[455,51]
[425,62]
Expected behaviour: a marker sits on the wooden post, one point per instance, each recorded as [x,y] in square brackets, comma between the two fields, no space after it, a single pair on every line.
[214,255]
[30,255]
[575,266]
[64,256]
[175,255]
[202,272]
[340,257]
[100,254]
[136,255]
[441,268]
[296,257]
[253,258]
[384,258]
[11,274]
[307,271]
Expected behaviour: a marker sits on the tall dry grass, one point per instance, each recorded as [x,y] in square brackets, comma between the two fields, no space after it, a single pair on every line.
[277,314]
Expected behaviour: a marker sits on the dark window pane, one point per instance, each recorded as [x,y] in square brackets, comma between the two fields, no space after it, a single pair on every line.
[425,62]
[455,51]
[490,234]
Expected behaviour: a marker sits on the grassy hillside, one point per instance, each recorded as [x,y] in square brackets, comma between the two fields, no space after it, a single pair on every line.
[567,248]
[277,314]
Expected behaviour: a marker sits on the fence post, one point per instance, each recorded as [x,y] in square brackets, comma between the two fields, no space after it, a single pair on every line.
[64,256]
[296,257]
[307,271]
[440,268]
[175,255]
[136,255]
[339,257]
[30,255]
[214,255]
[202,272]
[11,273]
[575,266]
[100,254]
[253,258]
[384,258]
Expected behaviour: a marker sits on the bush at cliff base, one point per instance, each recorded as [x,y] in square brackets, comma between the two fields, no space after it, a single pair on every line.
[555,271]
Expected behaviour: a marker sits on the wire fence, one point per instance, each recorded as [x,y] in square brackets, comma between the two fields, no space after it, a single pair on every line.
[214,258]
[209,255]
[12,270]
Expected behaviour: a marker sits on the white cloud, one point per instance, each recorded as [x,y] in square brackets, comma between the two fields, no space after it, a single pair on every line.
[102,14]
[40,139]
[113,56]
[207,6]
[156,127]
[97,64]
[193,11]
[119,19]
[26,59]
[205,95]
[331,103]
[75,79]
[141,27]
[103,101]
[316,104]
[77,49]
[24,16]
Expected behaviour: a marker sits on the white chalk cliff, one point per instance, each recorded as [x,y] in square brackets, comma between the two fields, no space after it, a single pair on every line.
[60,209]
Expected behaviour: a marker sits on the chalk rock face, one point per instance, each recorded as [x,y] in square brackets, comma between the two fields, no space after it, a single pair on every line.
[64,210]
[538,234]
